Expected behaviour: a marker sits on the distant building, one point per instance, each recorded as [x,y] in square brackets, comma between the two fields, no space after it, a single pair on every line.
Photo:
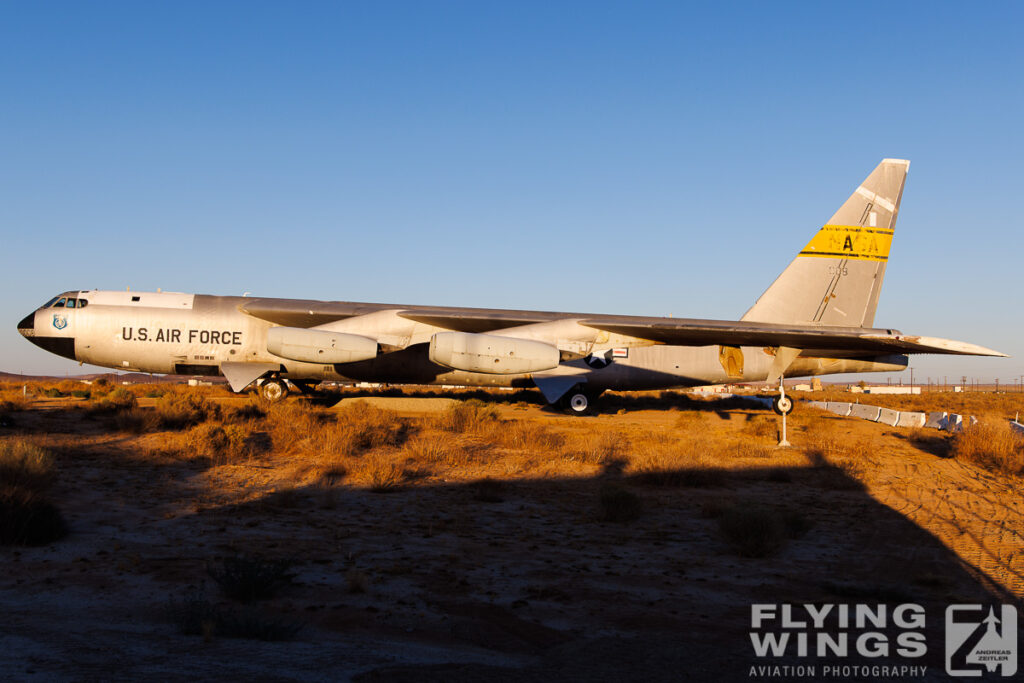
[892,390]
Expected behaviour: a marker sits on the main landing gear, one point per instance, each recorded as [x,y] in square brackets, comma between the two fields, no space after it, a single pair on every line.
[273,389]
[577,401]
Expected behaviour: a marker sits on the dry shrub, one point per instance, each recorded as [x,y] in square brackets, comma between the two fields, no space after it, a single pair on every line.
[472,416]
[992,445]
[117,401]
[27,517]
[758,531]
[297,426]
[14,402]
[222,445]
[618,504]
[180,411]
[528,436]
[197,616]
[350,431]
[22,463]
[253,410]
[384,475]
[365,427]
[137,420]
[435,450]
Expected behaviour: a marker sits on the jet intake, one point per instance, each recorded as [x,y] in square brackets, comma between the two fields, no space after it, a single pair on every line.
[491,354]
[319,346]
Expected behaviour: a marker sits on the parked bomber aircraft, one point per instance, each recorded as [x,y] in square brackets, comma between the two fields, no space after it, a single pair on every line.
[815,319]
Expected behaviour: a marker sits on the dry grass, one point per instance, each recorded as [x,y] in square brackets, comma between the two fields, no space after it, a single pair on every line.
[180,411]
[468,417]
[384,475]
[992,445]
[27,517]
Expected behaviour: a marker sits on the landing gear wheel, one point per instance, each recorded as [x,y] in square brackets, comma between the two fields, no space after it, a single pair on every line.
[273,390]
[578,402]
[782,405]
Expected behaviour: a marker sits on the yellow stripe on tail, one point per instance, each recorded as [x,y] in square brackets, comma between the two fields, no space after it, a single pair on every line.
[850,242]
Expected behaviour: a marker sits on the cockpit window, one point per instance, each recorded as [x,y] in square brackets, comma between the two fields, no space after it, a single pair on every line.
[50,302]
[82,303]
[60,303]
[71,302]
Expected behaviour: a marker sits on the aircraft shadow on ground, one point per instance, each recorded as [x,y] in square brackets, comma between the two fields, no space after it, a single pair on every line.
[565,576]
[665,591]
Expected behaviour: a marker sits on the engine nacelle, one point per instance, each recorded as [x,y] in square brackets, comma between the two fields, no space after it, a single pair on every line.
[319,346]
[491,354]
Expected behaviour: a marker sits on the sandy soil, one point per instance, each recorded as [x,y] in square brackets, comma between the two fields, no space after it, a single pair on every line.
[523,584]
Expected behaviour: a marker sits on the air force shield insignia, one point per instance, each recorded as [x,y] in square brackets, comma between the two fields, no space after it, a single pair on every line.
[60,321]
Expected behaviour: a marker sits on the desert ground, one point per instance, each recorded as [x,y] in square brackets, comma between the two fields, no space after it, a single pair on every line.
[174,533]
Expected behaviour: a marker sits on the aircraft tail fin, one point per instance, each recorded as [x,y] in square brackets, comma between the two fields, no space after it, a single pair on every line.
[837,278]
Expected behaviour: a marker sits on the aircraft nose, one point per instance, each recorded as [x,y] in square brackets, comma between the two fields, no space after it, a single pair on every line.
[27,326]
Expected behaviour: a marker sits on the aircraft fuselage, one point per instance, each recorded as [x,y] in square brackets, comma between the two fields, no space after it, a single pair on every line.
[186,334]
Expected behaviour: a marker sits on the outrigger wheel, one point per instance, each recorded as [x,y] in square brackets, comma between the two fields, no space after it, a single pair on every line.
[782,405]
[273,389]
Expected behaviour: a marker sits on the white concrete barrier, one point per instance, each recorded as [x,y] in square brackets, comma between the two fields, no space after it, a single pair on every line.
[888,416]
[865,412]
[912,420]
[937,420]
[839,408]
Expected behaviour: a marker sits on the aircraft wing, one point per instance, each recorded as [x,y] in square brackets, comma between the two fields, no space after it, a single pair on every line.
[694,332]
[684,332]
[673,331]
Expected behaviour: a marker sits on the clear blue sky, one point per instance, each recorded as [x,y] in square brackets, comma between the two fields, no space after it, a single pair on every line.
[641,158]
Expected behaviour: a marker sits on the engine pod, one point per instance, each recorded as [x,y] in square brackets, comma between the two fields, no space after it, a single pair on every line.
[319,346]
[491,354]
